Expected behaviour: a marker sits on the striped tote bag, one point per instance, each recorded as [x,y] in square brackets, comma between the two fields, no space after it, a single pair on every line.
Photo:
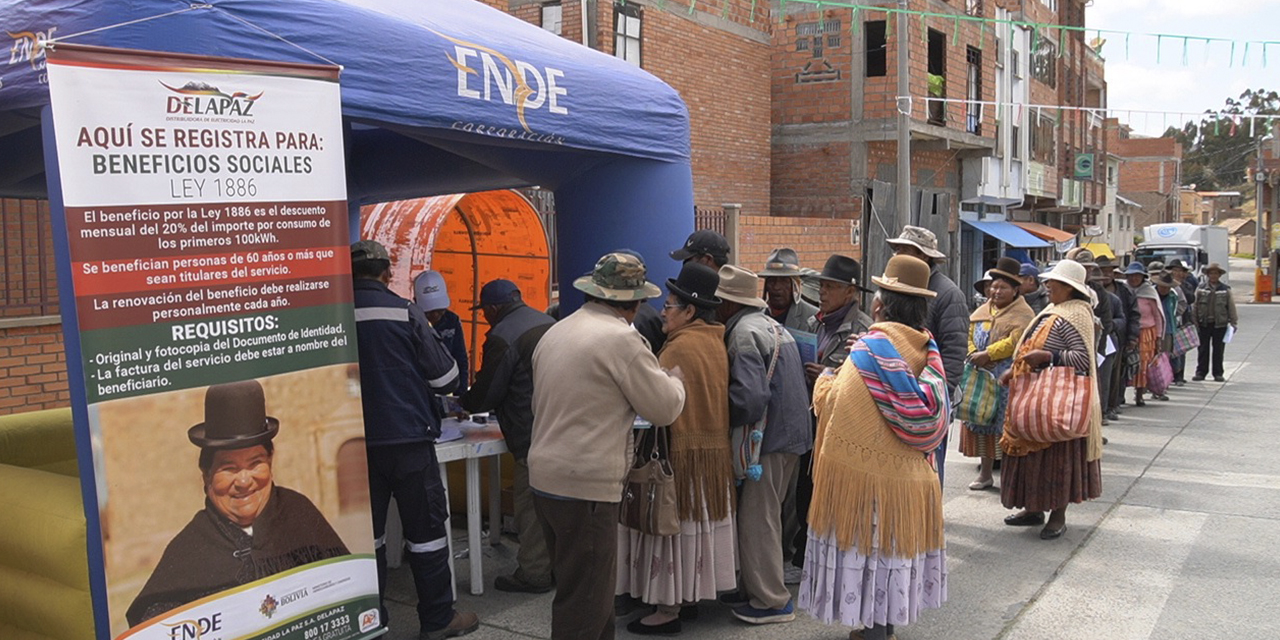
[1049,406]
[977,396]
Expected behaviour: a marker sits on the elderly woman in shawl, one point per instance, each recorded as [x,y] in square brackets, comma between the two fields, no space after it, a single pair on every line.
[1039,476]
[1151,321]
[994,329]
[671,572]
[876,555]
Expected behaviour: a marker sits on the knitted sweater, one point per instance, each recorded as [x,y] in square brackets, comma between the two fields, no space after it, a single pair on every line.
[700,455]
[864,477]
[592,373]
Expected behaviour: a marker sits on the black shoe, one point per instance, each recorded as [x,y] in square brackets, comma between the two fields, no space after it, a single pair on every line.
[513,584]
[665,629]
[734,599]
[1028,519]
[1114,415]
[1219,379]
[1052,534]
[1199,377]
[995,465]
[689,612]
[1105,440]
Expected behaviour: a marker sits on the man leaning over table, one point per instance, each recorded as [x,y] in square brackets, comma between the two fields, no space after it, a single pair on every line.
[504,384]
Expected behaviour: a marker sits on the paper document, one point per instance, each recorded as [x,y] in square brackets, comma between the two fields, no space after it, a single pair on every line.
[1231,332]
[1110,348]
[807,343]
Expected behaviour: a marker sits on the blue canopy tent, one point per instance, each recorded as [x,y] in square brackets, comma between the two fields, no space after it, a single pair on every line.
[438,97]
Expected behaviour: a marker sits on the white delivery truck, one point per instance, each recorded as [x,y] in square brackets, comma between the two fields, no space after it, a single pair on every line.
[1196,245]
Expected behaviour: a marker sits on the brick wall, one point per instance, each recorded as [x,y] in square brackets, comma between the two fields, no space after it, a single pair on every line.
[32,364]
[33,369]
[814,239]
[716,58]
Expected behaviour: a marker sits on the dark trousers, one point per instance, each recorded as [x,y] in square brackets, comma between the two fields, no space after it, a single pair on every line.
[1210,339]
[1118,382]
[582,538]
[411,474]
[1179,365]
[1104,377]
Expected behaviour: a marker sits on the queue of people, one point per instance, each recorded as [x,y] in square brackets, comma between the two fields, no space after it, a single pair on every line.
[796,434]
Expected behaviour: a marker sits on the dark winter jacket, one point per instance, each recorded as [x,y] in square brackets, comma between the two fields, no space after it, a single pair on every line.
[402,364]
[505,381]
[949,323]
[450,330]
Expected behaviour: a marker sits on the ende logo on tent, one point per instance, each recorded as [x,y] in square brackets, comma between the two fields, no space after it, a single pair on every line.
[518,83]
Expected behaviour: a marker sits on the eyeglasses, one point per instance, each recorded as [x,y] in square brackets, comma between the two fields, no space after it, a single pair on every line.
[668,307]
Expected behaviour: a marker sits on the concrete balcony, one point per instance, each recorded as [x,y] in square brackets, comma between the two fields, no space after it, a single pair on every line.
[985,181]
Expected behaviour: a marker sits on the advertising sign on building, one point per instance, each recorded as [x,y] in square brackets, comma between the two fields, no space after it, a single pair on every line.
[206,289]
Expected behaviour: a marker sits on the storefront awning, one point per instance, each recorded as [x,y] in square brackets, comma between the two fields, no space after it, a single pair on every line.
[1008,233]
[1099,249]
[1046,232]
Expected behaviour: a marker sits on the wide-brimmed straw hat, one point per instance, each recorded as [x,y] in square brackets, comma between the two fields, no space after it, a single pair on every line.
[1071,273]
[782,263]
[1164,280]
[696,285]
[920,238]
[235,417]
[1214,266]
[905,274]
[740,286]
[618,276]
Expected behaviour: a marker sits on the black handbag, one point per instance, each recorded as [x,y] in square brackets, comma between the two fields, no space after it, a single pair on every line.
[649,497]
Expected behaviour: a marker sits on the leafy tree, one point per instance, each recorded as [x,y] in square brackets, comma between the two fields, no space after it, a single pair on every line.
[1218,149]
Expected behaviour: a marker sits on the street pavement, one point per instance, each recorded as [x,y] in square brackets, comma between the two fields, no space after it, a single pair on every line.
[1182,543]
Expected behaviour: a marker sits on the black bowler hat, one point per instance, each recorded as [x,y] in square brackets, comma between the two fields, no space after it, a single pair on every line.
[235,417]
[842,269]
[1008,269]
[696,285]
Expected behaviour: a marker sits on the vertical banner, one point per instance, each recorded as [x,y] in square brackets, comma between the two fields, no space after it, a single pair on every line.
[205,219]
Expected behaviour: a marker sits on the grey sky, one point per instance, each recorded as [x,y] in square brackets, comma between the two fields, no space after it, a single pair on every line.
[1138,82]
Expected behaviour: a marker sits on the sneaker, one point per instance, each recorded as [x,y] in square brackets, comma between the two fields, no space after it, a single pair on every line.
[463,622]
[748,613]
[791,574]
[734,599]
[513,584]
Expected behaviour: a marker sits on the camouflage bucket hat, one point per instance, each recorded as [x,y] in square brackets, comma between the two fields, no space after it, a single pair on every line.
[618,276]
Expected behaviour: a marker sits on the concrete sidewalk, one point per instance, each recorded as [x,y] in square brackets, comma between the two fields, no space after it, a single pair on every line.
[1182,543]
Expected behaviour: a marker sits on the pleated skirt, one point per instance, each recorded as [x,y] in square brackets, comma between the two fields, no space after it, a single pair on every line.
[1051,478]
[850,588]
[690,566]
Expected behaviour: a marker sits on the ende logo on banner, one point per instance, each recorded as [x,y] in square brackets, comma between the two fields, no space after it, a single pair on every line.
[28,48]
[511,78]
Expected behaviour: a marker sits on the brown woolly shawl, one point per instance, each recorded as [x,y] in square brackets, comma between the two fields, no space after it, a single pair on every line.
[1009,321]
[700,436]
[863,474]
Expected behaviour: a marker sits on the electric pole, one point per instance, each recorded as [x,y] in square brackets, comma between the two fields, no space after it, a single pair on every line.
[903,217]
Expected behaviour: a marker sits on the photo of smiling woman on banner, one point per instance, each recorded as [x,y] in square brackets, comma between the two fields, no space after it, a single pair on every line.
[250,527]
